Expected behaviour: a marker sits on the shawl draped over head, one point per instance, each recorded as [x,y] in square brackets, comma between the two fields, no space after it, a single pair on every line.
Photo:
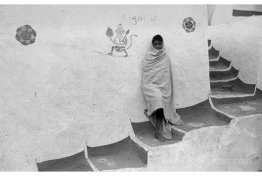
[157,83]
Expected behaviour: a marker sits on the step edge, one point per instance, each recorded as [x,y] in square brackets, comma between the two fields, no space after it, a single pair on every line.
[224,80]
[222,70]
[179,130]
[215,60]
[231,96]
[219,111]
[95,169]
[124,169]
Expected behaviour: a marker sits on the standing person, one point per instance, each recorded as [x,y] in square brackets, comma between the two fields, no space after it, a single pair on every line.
[157,89]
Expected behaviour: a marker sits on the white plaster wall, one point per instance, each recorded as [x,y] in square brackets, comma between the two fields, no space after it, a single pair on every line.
[249,7]
[210,12]
[223,13]
[58,94]
[240,42]
[235,147]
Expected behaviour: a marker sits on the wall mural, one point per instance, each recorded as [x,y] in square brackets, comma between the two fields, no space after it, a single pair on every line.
[138,19]
[121,41]
[189,24]
[25,35]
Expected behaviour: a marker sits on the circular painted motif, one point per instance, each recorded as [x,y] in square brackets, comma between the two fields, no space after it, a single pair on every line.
[25,35]
[189,24]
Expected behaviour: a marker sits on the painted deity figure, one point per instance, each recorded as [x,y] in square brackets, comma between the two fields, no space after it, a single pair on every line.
[120,41]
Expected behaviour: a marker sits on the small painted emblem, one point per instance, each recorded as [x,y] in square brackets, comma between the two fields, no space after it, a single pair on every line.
[189,24]
[25,35]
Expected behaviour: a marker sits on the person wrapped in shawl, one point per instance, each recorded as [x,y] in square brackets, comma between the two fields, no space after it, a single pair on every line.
[157,89]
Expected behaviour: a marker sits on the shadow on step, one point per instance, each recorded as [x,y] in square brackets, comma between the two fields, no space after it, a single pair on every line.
[213,53]
[240,106]
[76,162]
[122,154]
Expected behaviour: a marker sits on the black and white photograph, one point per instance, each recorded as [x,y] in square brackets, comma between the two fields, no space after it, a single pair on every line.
[130,87]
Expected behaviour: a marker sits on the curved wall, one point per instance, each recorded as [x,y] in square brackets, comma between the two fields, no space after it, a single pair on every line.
[240,42]
[58,94]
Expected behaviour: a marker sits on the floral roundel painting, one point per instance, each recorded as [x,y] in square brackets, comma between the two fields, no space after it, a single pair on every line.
[189,24]
[25,35]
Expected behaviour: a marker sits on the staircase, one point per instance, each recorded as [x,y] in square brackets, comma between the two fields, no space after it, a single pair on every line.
[224,81]
[229,94]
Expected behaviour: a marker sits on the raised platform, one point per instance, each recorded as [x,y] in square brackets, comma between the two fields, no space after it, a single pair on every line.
[74,163]
[240,106]
[145,132]
[123,154]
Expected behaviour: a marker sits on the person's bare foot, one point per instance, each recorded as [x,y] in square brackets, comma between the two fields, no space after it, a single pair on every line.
[160,137]
[180,122]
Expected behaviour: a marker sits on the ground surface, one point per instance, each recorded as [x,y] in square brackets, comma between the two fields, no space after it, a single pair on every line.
[123,154]
[74,163]
[232,88]
[240,106]
[201,115]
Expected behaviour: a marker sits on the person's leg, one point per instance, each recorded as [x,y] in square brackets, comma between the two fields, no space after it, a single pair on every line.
[159,117]
[161,132]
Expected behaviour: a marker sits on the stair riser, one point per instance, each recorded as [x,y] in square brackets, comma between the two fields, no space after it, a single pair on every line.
[224,75]
[219,62]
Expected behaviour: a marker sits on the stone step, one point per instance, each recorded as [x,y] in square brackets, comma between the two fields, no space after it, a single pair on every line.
[145,132]
[224,76]
[123,154]
[200,115]
[219,63]
[235,88]
[220,67]
[241,106]
[76,162]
